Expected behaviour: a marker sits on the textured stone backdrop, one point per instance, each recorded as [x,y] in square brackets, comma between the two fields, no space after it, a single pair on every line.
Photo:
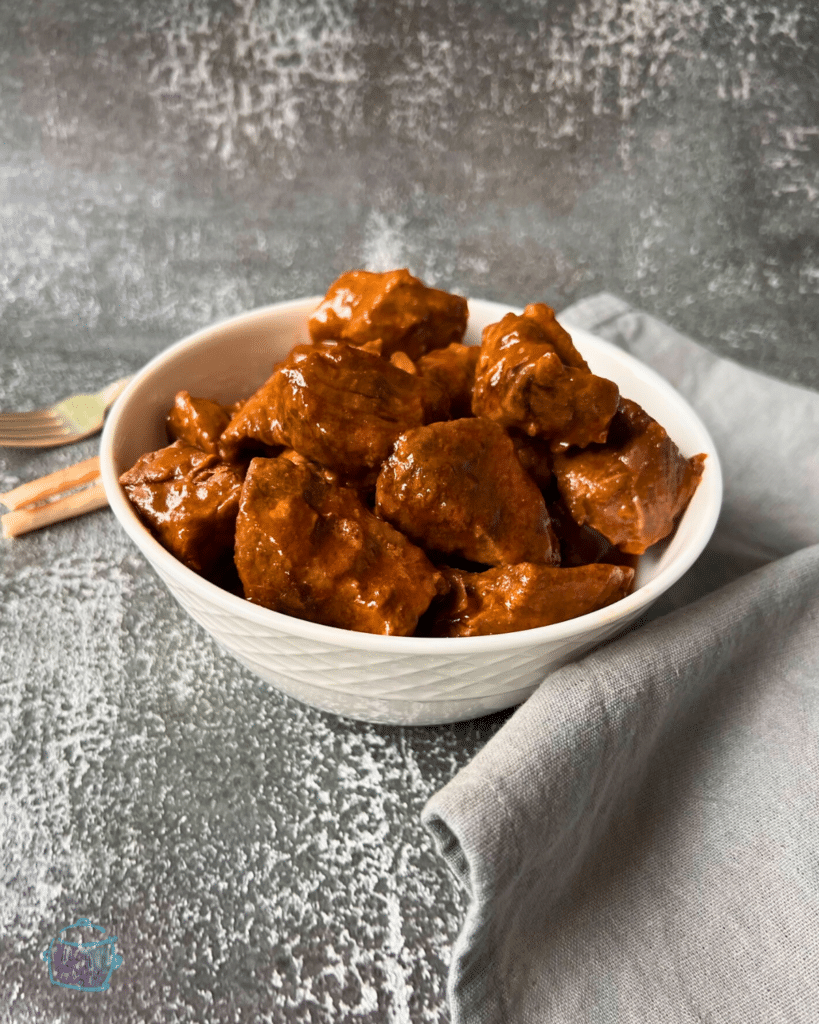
[166,164]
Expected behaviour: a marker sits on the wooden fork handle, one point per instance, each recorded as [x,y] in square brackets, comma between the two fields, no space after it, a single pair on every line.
[55,483]
[32,507]
[25,520]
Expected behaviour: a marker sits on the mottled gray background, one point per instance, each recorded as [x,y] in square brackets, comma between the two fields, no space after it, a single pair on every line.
[168,163]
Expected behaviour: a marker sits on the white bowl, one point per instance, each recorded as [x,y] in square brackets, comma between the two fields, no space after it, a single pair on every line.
[388,679]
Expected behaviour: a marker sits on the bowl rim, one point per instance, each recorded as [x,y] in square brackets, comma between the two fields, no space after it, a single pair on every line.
[333,636]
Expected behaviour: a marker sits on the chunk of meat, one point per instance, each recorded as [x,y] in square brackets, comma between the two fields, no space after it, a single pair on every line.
[309,548]
[633,488]
[534,455]
[458,487]
[453,368]
[337,405]
[403,362]
[329,475]
[531,377]
[394,307]
[189,500]
[196,421]
[582,545]
[523,596]
[558,337]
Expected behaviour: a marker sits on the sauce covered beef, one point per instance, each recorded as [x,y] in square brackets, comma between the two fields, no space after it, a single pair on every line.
[189,498]
[388,478]
[458,488]
[309,547]
[532,378]
[453,369]
[523,596]
[197,421]
[395,309]
[316,395]
[633,487]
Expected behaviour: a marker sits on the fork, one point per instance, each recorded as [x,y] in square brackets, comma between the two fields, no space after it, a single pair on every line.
[66,421]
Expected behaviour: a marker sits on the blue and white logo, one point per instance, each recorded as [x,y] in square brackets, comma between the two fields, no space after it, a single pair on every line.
[86,966]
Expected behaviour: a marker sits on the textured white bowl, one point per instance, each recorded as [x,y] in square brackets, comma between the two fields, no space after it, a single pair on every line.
[398,680]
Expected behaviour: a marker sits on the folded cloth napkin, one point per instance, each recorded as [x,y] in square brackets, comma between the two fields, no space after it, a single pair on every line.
[640,841]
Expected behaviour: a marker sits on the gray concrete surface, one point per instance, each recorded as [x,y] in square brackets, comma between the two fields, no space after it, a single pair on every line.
[167,164]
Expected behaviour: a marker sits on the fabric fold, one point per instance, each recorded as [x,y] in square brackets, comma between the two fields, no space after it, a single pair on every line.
[639,840]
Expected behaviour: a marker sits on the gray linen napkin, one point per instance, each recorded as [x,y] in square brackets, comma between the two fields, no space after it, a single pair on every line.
[640,841]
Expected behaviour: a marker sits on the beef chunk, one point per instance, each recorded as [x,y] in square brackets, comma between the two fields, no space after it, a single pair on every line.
[308,547]
[530,377]
[535,456]
[337,405]
[582,545]
[197,421]
[453,368]
[458,487]
[189,500]
[633,488]
[394,307]
[523,596]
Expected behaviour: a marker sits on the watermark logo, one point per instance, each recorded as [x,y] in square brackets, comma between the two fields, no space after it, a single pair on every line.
[86,966]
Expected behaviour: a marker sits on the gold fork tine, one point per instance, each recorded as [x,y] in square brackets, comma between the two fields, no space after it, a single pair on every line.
[20,427]
[37,440]
[69,420]
[35,416]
